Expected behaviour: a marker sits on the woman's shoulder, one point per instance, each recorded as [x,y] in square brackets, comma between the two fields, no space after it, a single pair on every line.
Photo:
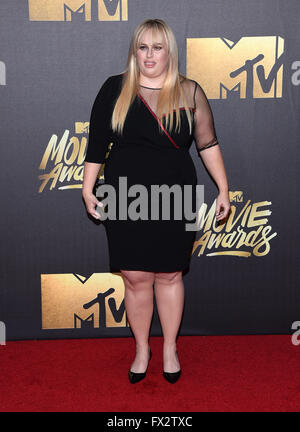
[188,82]
[111,83]
[110,87]
[189,87]
[113,80]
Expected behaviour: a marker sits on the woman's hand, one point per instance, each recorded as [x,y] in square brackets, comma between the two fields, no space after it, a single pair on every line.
[91,202]
[222,205]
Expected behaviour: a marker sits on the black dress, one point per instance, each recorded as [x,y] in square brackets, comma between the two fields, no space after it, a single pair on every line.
[146,156]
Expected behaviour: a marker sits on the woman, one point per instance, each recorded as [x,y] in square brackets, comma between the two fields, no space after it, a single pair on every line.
[152,113]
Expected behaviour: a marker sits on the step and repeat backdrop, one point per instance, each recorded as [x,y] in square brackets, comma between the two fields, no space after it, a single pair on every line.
[54,57]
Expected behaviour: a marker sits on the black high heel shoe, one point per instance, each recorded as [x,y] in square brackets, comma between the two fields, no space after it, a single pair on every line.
[172,377]
[135,377]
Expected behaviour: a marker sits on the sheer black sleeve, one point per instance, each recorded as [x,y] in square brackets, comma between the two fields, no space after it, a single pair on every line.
[204,130]
[100,132]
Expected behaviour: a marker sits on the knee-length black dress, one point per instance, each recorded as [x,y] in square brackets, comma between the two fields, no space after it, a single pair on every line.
[144,155]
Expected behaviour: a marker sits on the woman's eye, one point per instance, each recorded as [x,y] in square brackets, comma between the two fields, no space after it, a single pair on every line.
[157,48]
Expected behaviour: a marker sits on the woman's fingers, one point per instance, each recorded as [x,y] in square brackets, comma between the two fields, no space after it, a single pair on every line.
[223,213]
[92,211]
[91,203]
[222,208]
[219,211]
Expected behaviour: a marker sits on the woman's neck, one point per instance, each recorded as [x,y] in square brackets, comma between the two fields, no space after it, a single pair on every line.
[151,88]
[152,83]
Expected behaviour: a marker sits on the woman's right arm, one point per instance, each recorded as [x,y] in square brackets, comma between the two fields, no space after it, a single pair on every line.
[99,138]
[90,175]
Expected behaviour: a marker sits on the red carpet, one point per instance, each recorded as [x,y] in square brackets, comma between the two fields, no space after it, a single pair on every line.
[219,373]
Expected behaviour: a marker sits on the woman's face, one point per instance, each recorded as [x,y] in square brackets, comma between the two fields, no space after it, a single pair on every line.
[152,55]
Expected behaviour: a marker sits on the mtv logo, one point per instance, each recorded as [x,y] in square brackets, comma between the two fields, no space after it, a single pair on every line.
[236,196]
[2,73]
[83,323]
[82,127]
[251,67]
[85,10]
[113,10]
[76,301]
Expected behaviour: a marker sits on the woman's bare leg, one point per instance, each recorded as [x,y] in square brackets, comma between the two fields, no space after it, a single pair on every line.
[139,311]
[169,294]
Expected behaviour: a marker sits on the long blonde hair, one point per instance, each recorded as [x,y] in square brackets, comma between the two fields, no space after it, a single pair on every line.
[171,91]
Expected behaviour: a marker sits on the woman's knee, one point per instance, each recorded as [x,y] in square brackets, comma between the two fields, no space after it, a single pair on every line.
[133,277]
[168,278]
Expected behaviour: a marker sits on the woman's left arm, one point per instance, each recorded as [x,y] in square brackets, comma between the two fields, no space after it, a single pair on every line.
[213,160]
[209,150]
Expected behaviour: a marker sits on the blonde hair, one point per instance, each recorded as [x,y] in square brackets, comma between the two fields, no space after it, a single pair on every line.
[171,91]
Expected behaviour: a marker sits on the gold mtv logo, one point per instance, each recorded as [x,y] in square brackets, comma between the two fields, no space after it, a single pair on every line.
[87,10]
[74,301]
[82,127]
[236,196]
[249,68]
